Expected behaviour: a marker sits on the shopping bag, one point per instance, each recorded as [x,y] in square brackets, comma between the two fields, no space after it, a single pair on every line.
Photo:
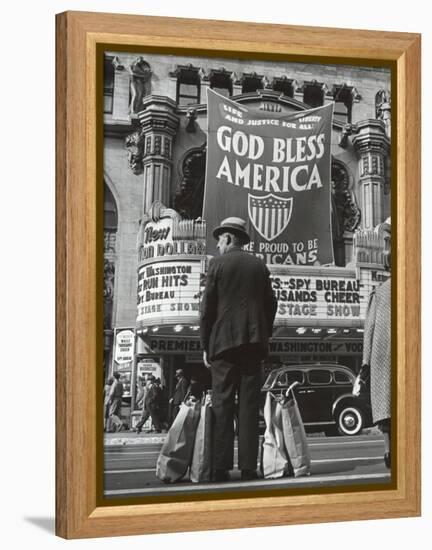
[274,459]
[201,465]
[294,435]
[176,453]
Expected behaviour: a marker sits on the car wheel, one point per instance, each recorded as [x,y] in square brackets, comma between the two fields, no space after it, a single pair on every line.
[349,420]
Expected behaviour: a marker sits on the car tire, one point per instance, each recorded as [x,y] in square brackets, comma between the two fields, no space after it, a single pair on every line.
[349,420]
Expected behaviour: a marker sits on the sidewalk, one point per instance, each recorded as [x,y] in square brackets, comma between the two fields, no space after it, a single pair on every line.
[132,438]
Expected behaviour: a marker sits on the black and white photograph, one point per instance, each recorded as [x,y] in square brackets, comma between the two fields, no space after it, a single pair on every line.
[247,275]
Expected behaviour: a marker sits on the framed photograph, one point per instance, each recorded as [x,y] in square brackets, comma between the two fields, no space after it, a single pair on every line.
[238,275]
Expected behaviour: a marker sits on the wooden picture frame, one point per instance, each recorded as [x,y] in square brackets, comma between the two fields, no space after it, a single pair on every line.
[78,290]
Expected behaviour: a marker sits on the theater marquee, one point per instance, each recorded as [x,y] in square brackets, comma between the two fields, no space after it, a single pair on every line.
[321,297]
[171,268]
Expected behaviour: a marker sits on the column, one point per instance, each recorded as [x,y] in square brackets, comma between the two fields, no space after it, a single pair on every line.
[150,148]
[373,146]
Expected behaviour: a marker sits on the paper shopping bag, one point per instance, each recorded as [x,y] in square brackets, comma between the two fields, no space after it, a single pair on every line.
[294,435]
[201,465]
[176,453]
[274,462]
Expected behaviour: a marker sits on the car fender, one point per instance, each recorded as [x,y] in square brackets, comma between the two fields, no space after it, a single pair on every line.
[346,396]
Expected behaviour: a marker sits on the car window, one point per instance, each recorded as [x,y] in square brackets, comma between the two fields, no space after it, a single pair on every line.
[342,378]
[270,379]
[295,376]
[319,377]
[287,378]
[283,380]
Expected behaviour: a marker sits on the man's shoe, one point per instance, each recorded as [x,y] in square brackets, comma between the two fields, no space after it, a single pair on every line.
[249,475]
[221,475]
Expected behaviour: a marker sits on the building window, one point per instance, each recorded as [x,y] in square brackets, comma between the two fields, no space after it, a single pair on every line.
[343,98]
[220,82]
[313,94]
[188,85]
[252,83]
[108,85]
[283,85]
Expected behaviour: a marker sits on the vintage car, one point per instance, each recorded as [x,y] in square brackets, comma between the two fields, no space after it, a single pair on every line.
[324,396]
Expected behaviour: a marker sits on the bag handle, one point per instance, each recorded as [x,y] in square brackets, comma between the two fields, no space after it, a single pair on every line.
[290,389]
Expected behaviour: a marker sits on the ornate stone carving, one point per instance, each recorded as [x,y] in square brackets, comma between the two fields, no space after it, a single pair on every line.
[117,64]
[157,149]
[166,152]
[347,130]
[191,116]
[148,148]
[134,143]
[140,84]
[383,108]
[371,246]
[373,145]
[109,272]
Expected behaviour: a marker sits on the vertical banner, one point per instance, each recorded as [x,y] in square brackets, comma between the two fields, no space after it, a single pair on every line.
[273,170]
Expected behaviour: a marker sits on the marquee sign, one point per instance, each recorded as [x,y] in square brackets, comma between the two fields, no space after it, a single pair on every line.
[168,292]
[321,297]
[297,346]
[171,265]
[273,170]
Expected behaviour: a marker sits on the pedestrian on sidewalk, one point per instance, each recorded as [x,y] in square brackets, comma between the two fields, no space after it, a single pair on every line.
[179,394]
[107,389]
[237,314]
[377,349]
[115,400]
[151,406]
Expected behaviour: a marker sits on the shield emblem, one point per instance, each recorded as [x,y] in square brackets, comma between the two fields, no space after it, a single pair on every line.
[269,215]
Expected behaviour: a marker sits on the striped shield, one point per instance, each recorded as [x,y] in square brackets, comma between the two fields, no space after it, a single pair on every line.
[269,215]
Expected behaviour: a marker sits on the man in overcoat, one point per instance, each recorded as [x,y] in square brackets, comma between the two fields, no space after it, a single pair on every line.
[237,314]
[151,406]
[179,394]
[115,400]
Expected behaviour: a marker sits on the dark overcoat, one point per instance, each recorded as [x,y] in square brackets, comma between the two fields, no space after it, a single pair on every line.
[377,350]
[238,305]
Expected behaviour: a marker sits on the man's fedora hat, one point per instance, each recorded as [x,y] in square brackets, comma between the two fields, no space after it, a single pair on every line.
[232,225]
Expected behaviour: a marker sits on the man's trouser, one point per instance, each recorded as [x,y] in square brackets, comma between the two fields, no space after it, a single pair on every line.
[236,370]
[114,411]
[156,420]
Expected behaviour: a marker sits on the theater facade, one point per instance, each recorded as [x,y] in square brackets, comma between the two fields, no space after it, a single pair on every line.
[156,250]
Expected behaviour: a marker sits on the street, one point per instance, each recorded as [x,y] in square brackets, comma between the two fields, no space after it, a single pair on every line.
[130,467]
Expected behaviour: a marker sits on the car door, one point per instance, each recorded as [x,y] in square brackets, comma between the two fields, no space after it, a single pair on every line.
[317,397]
[300,391]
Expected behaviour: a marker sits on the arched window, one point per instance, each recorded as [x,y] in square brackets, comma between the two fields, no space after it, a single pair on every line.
[188,200]
[345,213]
